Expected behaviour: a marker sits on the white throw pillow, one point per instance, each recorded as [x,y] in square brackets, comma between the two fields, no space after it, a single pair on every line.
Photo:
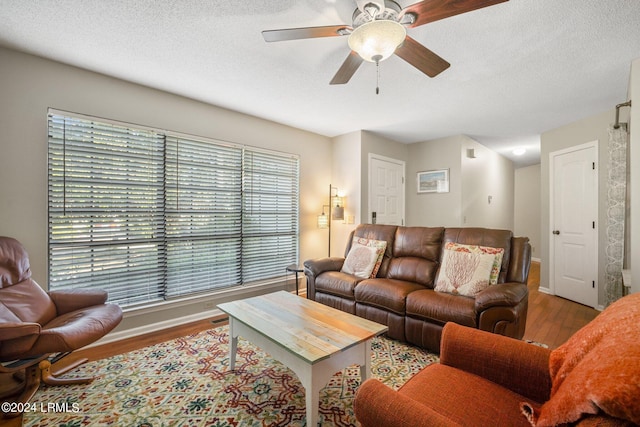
[380,244]
[464,273]
[360,260]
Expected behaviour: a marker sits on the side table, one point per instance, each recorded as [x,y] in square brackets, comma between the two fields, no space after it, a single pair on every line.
[295,268]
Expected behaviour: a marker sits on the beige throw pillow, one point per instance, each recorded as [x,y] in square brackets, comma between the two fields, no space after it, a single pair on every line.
[464,273]
[380,244]
[360,260]
[497,262]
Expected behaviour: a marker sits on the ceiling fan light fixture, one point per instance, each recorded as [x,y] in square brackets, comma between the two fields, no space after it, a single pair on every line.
[377,40]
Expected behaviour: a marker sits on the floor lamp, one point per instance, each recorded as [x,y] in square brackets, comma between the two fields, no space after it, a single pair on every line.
[336,211]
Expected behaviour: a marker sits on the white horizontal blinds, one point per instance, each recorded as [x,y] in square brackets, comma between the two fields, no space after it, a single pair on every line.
[203,214]
[106,196]
[270,214]
[148,215]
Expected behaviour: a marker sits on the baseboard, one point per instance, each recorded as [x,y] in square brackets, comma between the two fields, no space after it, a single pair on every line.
[155,327]
[166,324]
[544,290]
[536,259]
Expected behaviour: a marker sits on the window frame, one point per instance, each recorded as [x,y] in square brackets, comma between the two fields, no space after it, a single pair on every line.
[165,295]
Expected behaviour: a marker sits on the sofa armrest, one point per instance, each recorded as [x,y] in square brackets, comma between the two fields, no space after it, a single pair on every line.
[517,365]
[13,330]
[520,261]
[315,267]
[68,300]
[501,295]
[377,405]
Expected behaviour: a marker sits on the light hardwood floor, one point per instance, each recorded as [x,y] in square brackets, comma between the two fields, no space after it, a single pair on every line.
[551,320]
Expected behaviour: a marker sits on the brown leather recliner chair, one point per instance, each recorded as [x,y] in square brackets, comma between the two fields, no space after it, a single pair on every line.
[38,328]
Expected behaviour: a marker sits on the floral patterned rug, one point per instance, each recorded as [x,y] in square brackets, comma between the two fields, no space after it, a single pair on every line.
[186,382]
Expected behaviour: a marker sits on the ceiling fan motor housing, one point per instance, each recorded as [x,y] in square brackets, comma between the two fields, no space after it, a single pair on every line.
[376,11]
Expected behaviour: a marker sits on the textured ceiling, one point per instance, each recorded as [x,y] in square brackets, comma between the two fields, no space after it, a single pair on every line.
[517,68]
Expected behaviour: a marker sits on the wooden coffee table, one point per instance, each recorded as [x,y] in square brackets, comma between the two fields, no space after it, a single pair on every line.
[313,340]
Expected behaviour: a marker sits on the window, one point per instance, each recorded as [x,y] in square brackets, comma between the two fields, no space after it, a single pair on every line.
[149,215]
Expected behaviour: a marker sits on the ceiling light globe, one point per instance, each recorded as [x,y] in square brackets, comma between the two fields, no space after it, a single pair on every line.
[377,40]
[519,151]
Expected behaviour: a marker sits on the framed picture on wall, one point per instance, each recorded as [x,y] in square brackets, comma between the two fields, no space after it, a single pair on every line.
[434,181]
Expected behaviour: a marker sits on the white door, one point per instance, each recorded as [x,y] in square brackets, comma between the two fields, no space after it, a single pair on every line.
[574,217]
[386,190]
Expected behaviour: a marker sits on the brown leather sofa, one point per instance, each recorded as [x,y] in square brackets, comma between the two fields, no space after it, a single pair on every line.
[487,380]
[402,294]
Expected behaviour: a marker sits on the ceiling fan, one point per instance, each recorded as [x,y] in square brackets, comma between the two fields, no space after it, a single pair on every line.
[379,31]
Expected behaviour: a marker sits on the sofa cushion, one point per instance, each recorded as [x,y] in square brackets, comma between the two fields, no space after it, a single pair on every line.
[464,273]
[337,283]
[387,294]
[416,254]
[454,394]
[420,242]
[440,308]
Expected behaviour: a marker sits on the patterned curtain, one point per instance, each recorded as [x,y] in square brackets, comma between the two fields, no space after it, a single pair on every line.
[616,196]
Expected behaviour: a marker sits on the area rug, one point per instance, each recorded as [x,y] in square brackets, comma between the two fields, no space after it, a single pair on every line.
[186,382]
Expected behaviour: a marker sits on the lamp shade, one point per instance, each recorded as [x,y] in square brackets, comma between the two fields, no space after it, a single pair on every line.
[323,221]
[337,207]
[337,213]
[377,40]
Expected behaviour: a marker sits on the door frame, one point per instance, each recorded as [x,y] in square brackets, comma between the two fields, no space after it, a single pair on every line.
[370,181]
[552,156]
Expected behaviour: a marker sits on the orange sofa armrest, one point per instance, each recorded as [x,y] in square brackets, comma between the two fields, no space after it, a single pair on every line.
[517,365]
[377,405]
[68,300]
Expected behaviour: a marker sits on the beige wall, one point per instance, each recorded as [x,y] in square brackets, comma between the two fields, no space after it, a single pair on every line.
[471,182]
[435,209]
[29,85]
[634,133]
[488,175]
[577,133]
[527,221]
[346,177]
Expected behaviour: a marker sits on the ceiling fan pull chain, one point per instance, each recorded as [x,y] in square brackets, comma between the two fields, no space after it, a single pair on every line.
[377,59]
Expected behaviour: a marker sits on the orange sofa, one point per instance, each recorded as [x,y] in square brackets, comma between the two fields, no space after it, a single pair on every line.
[485,379]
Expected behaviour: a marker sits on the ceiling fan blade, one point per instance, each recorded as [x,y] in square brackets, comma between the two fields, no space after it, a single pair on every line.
[433,10]
[305,33]
[421,57]
[347,69]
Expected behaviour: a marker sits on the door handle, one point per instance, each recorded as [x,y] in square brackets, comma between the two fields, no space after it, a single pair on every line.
[556,232]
